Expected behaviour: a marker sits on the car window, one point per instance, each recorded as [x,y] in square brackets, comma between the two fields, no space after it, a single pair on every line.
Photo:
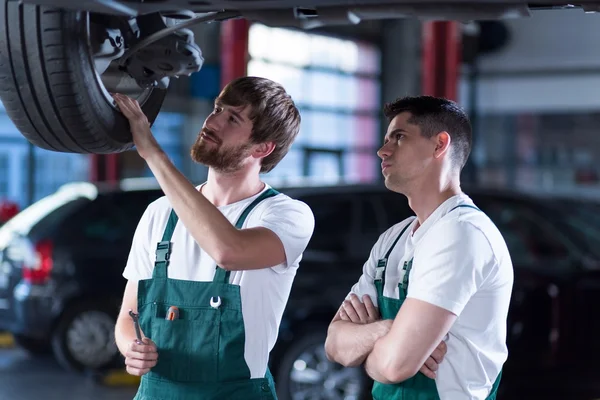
[335,218]
[43,215]
[531,239]
[115,217]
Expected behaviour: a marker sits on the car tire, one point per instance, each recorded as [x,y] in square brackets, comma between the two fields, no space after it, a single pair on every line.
[307,348]
[32,345]
[84,341]
[49,85]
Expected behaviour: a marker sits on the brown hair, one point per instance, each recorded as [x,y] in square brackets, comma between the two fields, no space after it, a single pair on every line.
[434,115]
[274,115]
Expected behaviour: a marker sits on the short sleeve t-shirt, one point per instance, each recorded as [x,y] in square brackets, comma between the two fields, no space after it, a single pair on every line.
[460,263]
[264,292]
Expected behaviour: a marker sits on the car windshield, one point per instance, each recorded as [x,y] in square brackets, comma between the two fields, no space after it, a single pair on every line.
[23,222]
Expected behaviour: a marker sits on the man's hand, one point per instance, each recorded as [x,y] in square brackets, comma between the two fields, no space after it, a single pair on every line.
[354,310]
[429,369]
[143,139]
[140,358]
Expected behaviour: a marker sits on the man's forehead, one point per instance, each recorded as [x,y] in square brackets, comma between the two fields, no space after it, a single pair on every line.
[244,109]
[401,121]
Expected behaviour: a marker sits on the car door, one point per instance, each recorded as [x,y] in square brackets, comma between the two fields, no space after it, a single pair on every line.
[98,240]
[329,265]
[543,258]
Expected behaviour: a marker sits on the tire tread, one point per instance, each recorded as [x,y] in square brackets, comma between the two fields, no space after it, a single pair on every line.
[51,97]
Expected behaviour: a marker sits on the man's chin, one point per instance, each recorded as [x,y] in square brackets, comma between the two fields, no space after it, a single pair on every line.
[392,185]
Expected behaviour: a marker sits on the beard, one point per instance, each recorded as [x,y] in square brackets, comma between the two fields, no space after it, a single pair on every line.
[218,157]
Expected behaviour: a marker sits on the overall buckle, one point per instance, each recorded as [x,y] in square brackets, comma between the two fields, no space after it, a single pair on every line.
[379,270]
[163,251]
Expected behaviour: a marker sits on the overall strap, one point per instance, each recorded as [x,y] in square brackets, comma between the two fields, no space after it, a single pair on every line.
[382,263]
[163,248]
[222,276]
[466,206]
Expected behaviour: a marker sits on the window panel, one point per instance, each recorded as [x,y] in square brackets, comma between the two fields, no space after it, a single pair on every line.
[258,41]
[368,98]
[366,132]
[279,45]
[361,166]
[324,165]
[347,91]
[370,59]
[324,130]
[305,127]
[290,166]
[339,109]
[345,137]
[292,79]
[323,89]
[52,170]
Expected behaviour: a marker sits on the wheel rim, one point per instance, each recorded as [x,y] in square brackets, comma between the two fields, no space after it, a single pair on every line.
[91,339]
[314,377]
[112,79]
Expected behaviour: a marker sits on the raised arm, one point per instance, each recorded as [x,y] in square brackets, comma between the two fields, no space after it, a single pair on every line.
[232,249]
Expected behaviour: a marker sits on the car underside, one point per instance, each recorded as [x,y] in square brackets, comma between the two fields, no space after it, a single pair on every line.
[60,60]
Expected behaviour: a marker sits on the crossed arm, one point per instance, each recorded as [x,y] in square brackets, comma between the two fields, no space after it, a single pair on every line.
[392,350]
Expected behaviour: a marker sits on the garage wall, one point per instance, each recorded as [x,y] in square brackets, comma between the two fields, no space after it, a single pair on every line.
[551,63]
[537,105]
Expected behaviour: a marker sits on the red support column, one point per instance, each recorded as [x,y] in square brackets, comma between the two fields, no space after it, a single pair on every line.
[104,168]
[234,49]
[95,168]
[112,168]
[441,59]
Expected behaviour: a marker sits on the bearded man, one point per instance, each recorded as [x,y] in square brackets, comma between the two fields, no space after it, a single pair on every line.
[211,267]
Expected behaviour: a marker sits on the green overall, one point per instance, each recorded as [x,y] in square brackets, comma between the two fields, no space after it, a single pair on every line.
[418,387]
[200,354]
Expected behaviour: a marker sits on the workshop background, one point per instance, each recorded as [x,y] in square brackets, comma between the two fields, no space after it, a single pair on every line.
[532,89]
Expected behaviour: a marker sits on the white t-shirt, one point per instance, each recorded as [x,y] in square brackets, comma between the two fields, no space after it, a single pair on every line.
[461,263]
[264,292]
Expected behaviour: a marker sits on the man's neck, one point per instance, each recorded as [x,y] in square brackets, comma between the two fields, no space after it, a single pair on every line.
[426,199]
[223,189]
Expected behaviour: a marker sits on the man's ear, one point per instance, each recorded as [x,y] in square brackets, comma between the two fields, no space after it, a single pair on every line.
[262,150]
[442,144]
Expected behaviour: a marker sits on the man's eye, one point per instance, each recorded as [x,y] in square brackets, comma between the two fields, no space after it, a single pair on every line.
[399,136]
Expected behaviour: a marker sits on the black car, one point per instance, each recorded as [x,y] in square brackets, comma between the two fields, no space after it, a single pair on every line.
[61,262]
[60,283]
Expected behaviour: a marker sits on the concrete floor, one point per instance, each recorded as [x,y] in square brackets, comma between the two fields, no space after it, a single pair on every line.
[25,378]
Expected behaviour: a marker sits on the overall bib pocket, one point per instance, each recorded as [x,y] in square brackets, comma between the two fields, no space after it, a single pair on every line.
[188,346]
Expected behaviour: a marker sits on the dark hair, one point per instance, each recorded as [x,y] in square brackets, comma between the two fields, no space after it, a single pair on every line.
[274,115]
[434,115]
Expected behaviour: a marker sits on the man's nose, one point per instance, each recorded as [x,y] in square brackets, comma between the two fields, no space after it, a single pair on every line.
[384,151]
[214,121]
